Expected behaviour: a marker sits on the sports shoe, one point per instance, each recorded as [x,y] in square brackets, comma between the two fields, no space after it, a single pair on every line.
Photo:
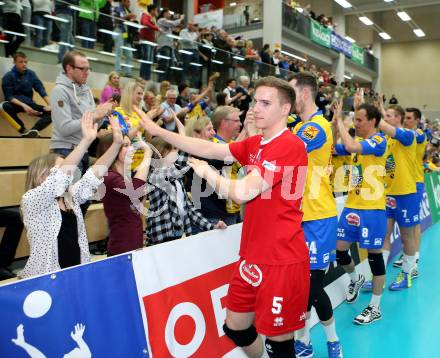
[368,315]
[334,349]
[403,280]
[353,289]
[414,273]
[303,350]
[398,262]
[32,133]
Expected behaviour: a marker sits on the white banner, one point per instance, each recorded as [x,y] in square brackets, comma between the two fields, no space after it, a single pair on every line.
[209,19]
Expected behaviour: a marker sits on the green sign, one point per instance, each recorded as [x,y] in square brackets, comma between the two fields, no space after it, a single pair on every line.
[358,54]
[320,34]
[432,187]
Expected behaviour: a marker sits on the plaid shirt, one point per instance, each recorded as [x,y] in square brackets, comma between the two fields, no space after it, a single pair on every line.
[164,221]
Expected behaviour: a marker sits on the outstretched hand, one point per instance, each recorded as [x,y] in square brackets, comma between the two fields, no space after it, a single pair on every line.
[200,167]
[220,225]
[118,138]
[179,124]
[89,128]
[146,122]
[79,331]
[20,336]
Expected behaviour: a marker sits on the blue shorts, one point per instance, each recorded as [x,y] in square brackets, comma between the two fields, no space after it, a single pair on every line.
[420,191]
[321,240]
[368,227]
[405,209]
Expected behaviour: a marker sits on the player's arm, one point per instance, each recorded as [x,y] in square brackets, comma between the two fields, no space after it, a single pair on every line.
[194,146]
[349,143]
[387,128]
[406,137]
[239,190]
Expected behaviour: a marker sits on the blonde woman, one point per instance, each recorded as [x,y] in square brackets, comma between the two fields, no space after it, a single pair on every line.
[111,88]
[51,205]
[163,88]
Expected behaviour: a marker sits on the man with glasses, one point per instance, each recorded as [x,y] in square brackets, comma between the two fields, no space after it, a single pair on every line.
[170,106]
[70,98]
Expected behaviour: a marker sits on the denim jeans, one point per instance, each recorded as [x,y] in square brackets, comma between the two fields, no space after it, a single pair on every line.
[42,36]
[147,53]
[66,36]
[119,42]
[88,29]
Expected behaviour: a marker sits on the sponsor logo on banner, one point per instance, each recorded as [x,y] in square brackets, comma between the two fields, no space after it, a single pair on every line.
[251,273]
[186,319]
[353,219]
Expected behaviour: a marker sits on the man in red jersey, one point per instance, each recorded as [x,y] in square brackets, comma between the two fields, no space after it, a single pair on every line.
[269,289]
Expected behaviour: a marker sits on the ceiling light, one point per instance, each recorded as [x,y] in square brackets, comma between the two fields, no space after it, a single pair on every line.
[345,4]
[419,33]
[365,20]
[232,4]
[388,0]
[384,35]
[403,16]
[348,38]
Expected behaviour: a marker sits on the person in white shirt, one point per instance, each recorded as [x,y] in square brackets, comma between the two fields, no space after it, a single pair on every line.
[170,106]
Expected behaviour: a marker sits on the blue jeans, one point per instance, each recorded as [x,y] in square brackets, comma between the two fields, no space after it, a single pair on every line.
[42,36]
[119,42]
[147,53]
[88,29]
[66,36]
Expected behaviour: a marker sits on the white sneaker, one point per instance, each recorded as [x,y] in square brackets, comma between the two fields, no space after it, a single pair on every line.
[353,289]
[368,315]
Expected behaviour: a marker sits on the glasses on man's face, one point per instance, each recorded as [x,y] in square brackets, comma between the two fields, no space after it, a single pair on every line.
[83,69]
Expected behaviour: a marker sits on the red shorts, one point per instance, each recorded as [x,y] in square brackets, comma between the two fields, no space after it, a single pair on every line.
[277,294]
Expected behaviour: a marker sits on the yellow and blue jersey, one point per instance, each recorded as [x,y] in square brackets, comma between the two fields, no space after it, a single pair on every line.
[318,201]
[340,175]
[367,174]
[400,164]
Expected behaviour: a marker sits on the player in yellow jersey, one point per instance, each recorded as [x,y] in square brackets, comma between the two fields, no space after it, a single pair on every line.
[412,120]
[364,218]
[319,207]
[401,191]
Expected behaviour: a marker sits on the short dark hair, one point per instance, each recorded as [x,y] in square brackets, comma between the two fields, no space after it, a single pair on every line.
[182,87]
[286,92]
[372,112]
[399,110]
[69,58]
[416,111]
[19,54]
[220,98]
[151,7]
[230,80]
[305,79]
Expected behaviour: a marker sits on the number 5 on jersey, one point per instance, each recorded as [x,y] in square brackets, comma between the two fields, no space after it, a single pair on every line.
[276,305]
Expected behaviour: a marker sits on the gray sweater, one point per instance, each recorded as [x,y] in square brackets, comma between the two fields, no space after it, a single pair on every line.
[68,102]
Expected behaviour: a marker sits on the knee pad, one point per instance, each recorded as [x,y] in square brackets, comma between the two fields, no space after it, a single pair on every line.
[284,349]
[377,264]
[318,297]
[241,338]
[343,258]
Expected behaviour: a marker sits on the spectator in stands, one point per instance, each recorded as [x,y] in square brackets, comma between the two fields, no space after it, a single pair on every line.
[131,96]
[251,56]
[106,23]
[232,97]
[198,102]
[163,88]
[123,211]
[148,34]
[112,88]
[205,51]
[11,221]
[190,35]
[152,104]
[171,213]
[165,43]
[12,22]
[51,207]
[71,97]
[220,98]
[63,11]
[266,61]
[223,56]
[120,14]
[18,85]
[26,16]
[41,8]
[89,19]
[183,97]
[393,100]
[246,96]
[170,108]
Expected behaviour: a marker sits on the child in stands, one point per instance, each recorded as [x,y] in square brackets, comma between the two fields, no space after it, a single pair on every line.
[171,213]
[123,204]
[51,205]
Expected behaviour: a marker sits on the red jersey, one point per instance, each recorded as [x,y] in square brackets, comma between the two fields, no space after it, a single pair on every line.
[272,232]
